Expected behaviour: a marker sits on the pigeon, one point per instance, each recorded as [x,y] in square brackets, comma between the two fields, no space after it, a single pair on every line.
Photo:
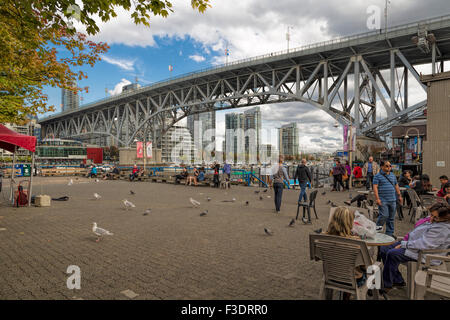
[246,203]
[305,221]
[328,202]
[291,224]
[265,190]
[146,212]
[132,192]
[195,203]
[128,204]
[76,178]
[70,182]
[256,191]
[99,232]
[209,199]
[319,231]
[333,205]
[232,200]
[268,232]
[269,197]
[324,193]
[204,213]
[97,196]
[260,198]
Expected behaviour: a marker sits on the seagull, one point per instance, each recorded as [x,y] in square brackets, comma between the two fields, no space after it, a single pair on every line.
[97,196]
[268,232]
[128,204]
[318,231]
[96,180]
[99,232]
[204,213]
[234,199]
[291,224]
[146,212]
[70,182]
[324,193]
[268,197]
[209,199]
[195,203]
[132,192]
[265,190]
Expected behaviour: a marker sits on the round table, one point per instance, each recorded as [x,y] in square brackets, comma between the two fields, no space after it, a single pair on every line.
[381,239]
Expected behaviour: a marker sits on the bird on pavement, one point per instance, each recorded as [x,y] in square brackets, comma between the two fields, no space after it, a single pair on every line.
[256,191]
[333,205]
[246,203]
[128,204]
[291,224]
[305,221]
[195,203]
[324,193]
[260,198]
[97,196]
[265,190]
[204,213]
[318,231]
[268,232]
[96,180]
[70,182]
[209,199]
[132,192]
[328,202]
[146,212]
[100,232]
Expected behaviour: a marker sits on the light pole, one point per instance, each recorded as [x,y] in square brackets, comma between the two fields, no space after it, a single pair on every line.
[288,36]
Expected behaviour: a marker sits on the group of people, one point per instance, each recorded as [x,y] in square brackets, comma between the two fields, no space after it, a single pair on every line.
[199,174]
[432,232]
[341,175]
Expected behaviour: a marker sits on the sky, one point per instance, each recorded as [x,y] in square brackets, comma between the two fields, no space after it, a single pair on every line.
[190,41]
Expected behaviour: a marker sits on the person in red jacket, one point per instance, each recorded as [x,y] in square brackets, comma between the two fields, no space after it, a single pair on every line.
[357,172]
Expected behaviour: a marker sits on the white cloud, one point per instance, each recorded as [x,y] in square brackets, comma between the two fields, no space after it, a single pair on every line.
[197,58]
[127,65]
[118,87]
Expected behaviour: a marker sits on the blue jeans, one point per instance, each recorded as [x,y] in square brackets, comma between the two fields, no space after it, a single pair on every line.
[302,192]
[387,215]
[391,259]
[278,188]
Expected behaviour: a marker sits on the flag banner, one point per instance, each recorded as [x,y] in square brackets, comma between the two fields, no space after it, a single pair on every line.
[345,137]
[149,149]
[139,149]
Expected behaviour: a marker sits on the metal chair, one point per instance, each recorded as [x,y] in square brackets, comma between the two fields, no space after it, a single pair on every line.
[339,258]
[307,206]
[417,210]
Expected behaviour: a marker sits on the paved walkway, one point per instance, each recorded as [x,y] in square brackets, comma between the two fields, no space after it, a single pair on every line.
[172,253]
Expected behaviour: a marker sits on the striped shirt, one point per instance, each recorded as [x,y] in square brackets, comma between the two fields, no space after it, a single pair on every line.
[386,186]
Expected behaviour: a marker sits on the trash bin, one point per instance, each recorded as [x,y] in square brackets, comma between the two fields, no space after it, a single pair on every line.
[26,172]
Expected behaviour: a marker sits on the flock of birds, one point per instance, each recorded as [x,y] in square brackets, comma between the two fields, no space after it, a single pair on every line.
[100,232]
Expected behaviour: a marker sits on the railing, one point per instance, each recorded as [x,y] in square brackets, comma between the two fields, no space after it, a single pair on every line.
[268,55]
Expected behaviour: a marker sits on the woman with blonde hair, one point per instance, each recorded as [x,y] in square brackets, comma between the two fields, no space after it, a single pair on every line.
[341,225]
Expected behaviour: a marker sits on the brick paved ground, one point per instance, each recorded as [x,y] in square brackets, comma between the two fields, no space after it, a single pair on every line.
[172,253]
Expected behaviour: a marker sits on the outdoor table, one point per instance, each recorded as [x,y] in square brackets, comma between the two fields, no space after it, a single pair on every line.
[433,193]
[364,191]
[381,239]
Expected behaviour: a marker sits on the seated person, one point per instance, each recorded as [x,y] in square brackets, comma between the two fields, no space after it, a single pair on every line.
[201,175]
[423,185]
[93,172]
[444,181]
[134,173]
[432,234]
[446,195]
[109,175]
[183,175]
[357,172]
[341,224]
[193,177]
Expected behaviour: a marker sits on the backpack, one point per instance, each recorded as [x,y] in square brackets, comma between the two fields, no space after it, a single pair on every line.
[22,198]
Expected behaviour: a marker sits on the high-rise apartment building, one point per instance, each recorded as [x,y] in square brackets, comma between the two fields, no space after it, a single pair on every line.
[202,127]
[288,140]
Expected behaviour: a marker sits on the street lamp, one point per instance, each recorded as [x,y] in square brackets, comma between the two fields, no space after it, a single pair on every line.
[407,137]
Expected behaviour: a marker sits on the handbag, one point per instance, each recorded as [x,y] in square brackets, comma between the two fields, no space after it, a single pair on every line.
[344,176]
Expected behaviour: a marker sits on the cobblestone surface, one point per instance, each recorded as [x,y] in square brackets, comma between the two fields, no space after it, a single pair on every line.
[172,253]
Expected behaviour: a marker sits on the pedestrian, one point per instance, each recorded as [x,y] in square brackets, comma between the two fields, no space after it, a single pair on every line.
[338,171]
[304,176]
[348,170]
[279,174]
[227,170]
[369,170]
[216,176]
[385,187]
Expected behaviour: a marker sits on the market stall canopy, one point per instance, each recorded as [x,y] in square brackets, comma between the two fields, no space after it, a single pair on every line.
[9,139]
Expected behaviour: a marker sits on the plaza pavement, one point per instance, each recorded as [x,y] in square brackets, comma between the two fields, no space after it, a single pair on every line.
[172,253]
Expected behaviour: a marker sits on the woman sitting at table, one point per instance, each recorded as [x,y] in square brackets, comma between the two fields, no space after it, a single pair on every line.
[432,234]
[341,225]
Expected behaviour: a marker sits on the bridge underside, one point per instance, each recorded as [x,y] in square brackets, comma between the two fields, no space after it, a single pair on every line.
[366,82]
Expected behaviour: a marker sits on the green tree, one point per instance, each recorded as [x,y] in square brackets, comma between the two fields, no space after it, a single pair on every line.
[32,31]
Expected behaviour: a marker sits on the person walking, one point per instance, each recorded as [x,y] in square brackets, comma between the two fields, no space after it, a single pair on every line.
[279,174]
[227,170]
[216,178]
[370,169]
[304,176]
[338,171]
[385,187]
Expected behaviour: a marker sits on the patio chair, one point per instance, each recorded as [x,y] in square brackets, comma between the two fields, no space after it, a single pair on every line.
[371,205]
[307,206]
[339,258]
[416,210]
[432,279]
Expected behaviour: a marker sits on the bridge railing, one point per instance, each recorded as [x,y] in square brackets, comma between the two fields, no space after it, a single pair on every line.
[268,55]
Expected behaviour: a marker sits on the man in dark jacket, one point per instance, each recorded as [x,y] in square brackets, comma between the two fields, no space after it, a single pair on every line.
[304,176]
